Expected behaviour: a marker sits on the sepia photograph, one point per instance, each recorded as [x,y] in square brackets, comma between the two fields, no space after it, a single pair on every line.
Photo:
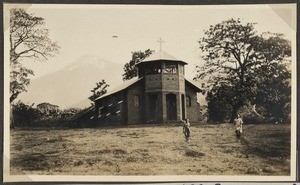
[146,93]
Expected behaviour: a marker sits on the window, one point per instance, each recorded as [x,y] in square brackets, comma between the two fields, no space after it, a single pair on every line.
[136,101]
[170,68]
[153,69]
[100,112]
[188,101]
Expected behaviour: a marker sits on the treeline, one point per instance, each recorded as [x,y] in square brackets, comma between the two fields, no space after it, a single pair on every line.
[42,115]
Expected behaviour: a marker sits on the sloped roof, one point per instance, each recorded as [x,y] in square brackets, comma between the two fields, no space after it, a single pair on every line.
[83,112]
[193,84]
[120,87]
[160,55]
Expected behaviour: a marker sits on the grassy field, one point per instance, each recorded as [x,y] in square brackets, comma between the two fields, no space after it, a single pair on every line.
[152,150]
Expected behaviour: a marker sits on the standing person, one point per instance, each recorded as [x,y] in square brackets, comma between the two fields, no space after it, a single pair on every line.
[238,126]
[186,130]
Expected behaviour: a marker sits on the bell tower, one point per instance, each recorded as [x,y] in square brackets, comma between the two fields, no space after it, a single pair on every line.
[164,87]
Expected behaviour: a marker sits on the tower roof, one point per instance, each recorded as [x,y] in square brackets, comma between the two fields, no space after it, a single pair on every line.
[160,55]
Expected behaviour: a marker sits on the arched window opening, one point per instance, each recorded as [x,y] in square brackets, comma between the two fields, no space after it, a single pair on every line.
[136,101]
[188,101]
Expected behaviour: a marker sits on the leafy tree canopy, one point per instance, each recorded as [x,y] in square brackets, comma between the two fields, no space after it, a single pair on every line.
[238,61]
[99,90]
[130,69]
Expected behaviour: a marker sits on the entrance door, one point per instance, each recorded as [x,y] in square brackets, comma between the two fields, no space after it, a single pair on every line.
[171,107]
[153,98]
[183,106]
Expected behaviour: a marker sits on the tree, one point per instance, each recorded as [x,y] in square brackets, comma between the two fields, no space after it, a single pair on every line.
[48,110]
[24,115]
[234,54]
[18,80]
[99,90]
[130,69]
[274,90]
[28,40]
[219,103]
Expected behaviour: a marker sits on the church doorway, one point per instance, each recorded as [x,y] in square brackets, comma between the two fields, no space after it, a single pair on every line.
[183,106]
[153,98]
[171,106]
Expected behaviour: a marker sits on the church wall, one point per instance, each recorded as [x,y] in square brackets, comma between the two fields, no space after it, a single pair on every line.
[153,86]
[175,84]
[136,104]
[111,110]
[170,82]
[192,110]
[179,106]
[122,102]
[153,82]
[181,83]
[164,106]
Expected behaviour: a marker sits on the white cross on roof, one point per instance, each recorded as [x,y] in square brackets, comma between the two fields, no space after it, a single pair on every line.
[160,43]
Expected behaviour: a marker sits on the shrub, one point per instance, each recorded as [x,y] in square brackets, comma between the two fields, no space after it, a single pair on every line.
[23,115]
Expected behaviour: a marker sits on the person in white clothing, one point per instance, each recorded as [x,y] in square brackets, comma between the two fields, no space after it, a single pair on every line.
[238,126]
[186,130]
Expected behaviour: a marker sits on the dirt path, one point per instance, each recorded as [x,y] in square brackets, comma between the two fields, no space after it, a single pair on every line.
[153,150]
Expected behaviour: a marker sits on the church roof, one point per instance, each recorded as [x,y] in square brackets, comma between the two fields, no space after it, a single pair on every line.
[160,55]
[193,84]
[120,87]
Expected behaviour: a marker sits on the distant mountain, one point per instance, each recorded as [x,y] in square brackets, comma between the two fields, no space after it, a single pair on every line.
[70,87]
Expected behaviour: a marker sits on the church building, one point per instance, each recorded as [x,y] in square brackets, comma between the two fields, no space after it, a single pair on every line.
[159,94]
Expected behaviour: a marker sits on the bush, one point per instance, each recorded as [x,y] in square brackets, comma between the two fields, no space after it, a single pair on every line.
[218,110]
[23,115]
[253,119]
[257,115]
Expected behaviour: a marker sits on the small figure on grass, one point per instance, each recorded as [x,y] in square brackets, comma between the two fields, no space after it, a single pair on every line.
[186,130]
[238,126]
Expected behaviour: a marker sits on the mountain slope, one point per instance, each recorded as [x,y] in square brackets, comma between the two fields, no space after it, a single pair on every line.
[72,84]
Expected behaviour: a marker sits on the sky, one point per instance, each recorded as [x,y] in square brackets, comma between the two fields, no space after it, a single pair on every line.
[89,29]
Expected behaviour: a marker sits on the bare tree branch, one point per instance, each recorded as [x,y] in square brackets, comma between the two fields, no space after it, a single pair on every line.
[28,39]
